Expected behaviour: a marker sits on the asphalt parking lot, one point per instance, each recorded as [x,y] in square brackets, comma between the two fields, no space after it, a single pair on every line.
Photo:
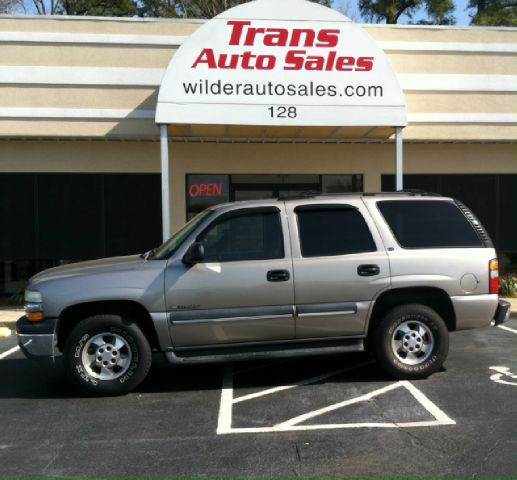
[324,416]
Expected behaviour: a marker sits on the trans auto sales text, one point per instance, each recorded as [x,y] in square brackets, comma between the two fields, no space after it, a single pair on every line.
[297,58]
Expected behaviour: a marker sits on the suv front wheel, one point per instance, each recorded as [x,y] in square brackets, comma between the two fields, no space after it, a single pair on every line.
[411,342]
[107,355]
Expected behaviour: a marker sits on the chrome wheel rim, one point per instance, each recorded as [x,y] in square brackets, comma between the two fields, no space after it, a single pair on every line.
[106,356]
[412,342]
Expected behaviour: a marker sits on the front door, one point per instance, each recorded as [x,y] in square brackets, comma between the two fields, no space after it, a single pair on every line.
[243,290]
[340,265]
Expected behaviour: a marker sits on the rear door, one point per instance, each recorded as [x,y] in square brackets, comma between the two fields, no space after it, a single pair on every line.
[340,265]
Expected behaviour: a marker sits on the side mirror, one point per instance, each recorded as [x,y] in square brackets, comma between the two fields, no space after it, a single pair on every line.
[195,254]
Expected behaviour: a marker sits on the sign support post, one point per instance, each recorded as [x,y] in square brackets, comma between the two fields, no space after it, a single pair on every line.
[399,171]
[164,153]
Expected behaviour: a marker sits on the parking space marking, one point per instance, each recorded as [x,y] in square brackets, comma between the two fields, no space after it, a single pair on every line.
[307,381]
[440,416]
[504,327]
[503,372]
[224,425]
[9,352]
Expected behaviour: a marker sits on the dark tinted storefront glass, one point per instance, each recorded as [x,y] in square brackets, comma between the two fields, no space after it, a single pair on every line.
[51,219]
[341,183]
[17,228]
[133,213]
[275,179]
[507,215]
[70,219]
[204,191]
[428,224]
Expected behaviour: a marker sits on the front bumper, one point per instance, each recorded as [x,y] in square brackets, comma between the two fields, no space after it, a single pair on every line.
[37,339]
[502,314]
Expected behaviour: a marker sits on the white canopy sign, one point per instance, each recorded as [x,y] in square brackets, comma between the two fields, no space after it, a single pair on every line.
[281,62]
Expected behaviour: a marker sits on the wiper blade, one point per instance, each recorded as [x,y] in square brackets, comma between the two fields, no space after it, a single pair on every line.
[149,254]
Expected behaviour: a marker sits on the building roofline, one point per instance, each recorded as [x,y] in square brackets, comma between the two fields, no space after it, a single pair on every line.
[202,20]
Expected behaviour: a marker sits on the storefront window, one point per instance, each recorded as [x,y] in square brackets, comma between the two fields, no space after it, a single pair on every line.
[341,183]
[48,220]
[204,191]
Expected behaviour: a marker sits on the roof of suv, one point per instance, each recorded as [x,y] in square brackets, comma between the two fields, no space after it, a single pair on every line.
[402,194]
[326,196]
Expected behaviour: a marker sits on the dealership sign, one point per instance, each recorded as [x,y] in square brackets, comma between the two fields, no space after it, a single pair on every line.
[281,62]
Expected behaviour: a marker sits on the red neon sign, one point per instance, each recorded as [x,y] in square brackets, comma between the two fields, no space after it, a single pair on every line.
[205,190]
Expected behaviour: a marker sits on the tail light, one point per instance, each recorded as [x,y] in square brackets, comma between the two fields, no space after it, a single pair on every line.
[493,276]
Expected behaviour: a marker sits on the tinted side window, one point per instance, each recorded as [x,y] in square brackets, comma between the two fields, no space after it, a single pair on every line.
[333,231]
[244,236]
[428,224]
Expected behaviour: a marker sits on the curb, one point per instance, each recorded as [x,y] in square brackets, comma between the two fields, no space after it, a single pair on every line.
[8,324]
[5,332]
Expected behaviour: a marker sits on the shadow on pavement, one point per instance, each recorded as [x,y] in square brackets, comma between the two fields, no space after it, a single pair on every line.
[23,378]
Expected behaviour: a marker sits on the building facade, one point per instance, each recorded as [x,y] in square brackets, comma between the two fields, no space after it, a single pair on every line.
[80,151]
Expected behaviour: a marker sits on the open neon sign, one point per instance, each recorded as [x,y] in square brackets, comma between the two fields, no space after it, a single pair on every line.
[206,190]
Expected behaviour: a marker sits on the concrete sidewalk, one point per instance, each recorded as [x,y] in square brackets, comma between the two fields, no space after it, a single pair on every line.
[9,316]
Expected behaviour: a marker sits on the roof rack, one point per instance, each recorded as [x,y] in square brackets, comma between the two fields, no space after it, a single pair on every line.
[312,194]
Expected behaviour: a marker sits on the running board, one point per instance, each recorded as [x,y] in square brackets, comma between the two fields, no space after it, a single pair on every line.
[226,355]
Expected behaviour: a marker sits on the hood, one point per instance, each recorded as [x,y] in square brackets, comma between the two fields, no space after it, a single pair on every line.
[91,267]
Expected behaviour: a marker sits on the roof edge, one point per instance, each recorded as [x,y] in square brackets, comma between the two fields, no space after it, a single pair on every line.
[204,20]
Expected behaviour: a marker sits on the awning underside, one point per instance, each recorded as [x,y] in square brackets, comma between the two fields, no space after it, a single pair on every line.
[258,132]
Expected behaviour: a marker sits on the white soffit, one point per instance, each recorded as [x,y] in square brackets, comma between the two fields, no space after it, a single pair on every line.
[281,62]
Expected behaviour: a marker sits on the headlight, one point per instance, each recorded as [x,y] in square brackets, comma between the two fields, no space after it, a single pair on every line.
[32,296]
[34,306]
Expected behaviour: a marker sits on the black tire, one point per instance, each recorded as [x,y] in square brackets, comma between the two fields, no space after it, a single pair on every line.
[381,342]
[136,368]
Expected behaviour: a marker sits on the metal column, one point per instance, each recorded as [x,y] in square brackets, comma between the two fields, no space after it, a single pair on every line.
[164,153]
[399,171]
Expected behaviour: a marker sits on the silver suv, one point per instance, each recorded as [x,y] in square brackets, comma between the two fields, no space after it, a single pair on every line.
[391,273]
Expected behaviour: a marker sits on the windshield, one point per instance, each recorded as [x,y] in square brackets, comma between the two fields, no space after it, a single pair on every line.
[168,248]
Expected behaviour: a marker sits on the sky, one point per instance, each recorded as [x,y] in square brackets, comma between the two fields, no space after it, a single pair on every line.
[461,14]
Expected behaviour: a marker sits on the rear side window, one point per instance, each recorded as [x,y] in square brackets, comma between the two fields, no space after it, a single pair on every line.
[428,224]
[334,230]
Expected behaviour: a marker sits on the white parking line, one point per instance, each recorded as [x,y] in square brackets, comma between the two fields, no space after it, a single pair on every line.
[9,352]
[224,425]
[307,381]
[504,327]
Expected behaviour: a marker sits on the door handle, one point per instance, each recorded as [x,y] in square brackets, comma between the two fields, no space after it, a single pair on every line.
[368,270]
[278,276]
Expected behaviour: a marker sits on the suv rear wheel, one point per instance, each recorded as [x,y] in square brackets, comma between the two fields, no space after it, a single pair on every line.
[411,342]
[107,355]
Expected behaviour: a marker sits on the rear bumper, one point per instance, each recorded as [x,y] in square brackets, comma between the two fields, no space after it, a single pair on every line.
[502,314]
[474,311]
[37,340]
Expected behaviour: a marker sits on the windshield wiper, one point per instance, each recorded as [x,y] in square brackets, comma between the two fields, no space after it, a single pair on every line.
[148,255]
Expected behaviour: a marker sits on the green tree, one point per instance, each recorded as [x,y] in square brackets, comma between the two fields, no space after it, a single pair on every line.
[102,8]
[192,8]
[494,12]
[106,8]
[439,12]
